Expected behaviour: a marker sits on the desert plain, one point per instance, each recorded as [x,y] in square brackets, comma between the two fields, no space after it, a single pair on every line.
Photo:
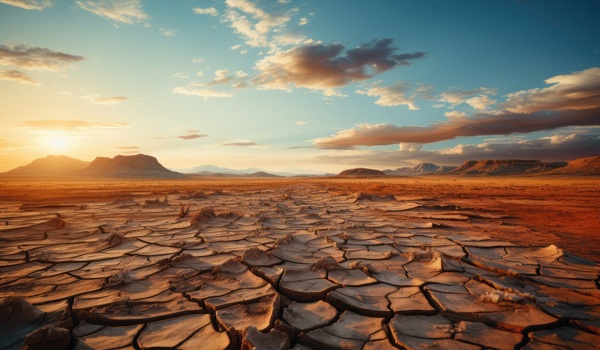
[436,262]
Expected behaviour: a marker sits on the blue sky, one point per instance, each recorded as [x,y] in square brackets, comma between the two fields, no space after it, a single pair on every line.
[315,85]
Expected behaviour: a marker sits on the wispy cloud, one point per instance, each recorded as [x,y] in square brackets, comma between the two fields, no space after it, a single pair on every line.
[128,149]
[241,143]
[458,96]
[168,32]
[323,67]
[573,100]
[303,21]
[255,24]
[122,11]
[70,124]
[556,147]
[17,76]
[110,101]
[200,92]
[191,136]
[29,4]
[401,93]
[211,11]
[35,58]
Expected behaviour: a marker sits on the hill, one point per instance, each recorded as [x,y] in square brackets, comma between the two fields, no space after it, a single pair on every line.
[136,166]
[505,167]
[361,172]
[581,166]
[419,169]
[50,166]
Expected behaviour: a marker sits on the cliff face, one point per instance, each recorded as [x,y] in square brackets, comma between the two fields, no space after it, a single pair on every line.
[581,166]
[505,167]
[137,166]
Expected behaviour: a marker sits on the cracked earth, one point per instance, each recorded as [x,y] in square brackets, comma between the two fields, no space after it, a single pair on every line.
[294,267]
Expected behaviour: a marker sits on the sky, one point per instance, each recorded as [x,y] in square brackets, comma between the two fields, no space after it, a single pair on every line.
[299,86]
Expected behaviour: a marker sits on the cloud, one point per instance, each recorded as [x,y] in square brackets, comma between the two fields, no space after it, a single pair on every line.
[197,60]
[480,103]
[122,11]
[255,24]
[322,67]
[180,75]
[29,4]
[575,91]
[235,47]
[168,32]
[70,124]
[240,143]
[479,125]
[211,11]
[200,92]
[300,122]
[191,136]
[110,101]
[35,58]
[223,77]
[458,96]
[16,76]
[128,149]
[557,147]
[303,21]
[573,100]
[398,94]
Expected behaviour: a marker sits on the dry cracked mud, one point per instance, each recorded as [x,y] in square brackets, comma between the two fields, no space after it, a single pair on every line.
[282,268]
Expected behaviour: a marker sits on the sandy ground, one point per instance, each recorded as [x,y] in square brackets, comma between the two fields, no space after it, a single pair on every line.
[412,263]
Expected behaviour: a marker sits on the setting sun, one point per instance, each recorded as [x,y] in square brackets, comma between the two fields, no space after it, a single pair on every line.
[56,143]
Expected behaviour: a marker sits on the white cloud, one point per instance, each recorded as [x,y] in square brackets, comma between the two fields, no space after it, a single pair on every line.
[458,96]
[29,4]
[480,103]
[168,32]
[395,95]
[303,21]
[122,11]
[211,11]
[204,93]
[197,60]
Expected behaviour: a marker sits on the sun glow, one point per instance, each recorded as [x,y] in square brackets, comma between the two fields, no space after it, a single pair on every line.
[56,143]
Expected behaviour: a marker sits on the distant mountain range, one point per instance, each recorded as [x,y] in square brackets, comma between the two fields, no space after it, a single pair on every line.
[419,169]
[136,166]
[582,166]
[207,170]
[144,166]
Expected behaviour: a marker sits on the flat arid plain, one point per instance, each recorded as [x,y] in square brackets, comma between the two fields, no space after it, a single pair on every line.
[307,263]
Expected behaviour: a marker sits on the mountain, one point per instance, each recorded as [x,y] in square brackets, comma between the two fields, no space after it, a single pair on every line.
[50,166]
[136,166]
[218,171]
[229,175]
[361,172]
[505,167]
[581,166]
[419,169]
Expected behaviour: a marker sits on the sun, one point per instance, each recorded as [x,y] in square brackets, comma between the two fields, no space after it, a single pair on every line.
[56,143]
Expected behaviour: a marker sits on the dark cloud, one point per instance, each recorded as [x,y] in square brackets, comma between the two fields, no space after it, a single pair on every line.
[321,66]
[573,100]
[16,76]
[558,147]
[191,136]
[35,58]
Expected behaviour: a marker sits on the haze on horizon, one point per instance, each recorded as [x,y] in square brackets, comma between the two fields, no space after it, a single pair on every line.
[309,85]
